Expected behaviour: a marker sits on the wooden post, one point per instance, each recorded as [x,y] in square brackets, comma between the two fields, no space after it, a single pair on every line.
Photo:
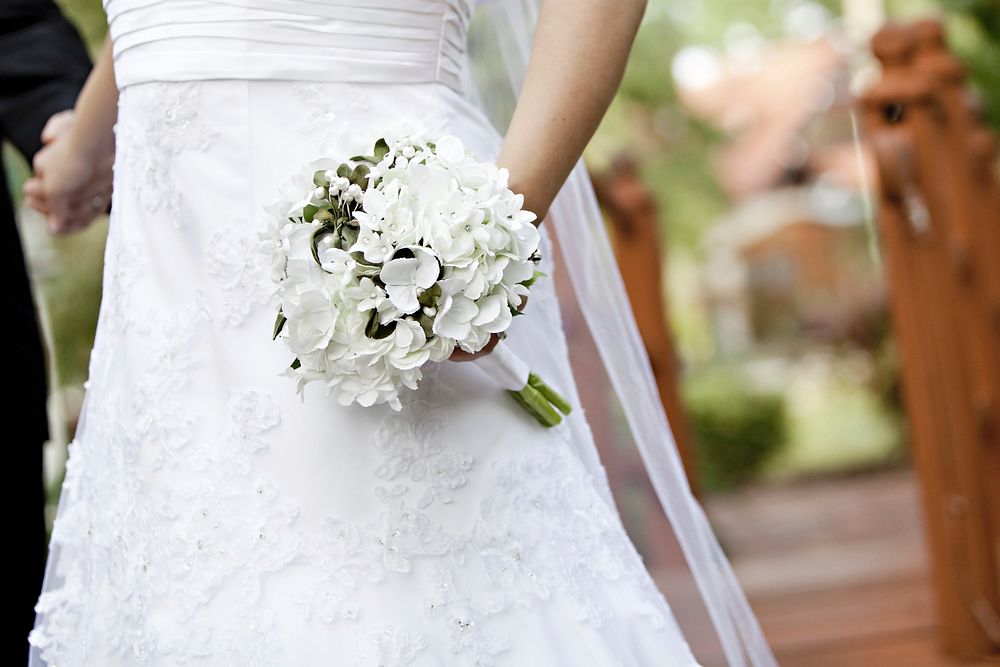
[932,262]
[972,241]
[974,234]
[983,148]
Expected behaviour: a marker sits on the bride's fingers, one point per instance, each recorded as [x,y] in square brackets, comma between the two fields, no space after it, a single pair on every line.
[461,355]
[68,224]
[37,204]
[63,213]
[57,124]
[33,187]
[35,196]
[78,216]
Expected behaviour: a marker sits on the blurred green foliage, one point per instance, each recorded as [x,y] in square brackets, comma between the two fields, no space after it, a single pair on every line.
[974,35]
[88,16]
[975,32]
[737,428]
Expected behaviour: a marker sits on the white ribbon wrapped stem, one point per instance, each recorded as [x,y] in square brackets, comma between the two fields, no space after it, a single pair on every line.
[505,367]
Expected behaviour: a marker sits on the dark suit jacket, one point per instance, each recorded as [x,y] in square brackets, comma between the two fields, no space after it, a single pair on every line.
[43,64]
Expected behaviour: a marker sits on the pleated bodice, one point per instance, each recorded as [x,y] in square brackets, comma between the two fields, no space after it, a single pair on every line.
[380,41]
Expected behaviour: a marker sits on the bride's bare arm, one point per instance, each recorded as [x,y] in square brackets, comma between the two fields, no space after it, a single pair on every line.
[72,180]
[577,62]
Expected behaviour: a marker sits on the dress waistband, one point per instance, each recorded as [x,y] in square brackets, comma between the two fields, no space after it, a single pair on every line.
[382,41]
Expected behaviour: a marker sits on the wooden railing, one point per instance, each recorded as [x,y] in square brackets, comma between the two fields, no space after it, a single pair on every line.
[939,223]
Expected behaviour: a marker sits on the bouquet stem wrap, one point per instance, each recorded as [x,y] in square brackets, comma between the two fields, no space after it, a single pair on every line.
[539,399]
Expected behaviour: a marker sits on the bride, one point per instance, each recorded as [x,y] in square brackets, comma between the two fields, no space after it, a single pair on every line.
[209,516]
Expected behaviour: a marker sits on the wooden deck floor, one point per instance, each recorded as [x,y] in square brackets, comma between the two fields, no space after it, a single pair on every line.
[836,570]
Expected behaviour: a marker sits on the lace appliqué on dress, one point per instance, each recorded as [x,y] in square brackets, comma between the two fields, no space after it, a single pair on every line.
[324,100]
[542,531]
[167,123]
[411,449]
[239,262]
[389,646]
[156,510]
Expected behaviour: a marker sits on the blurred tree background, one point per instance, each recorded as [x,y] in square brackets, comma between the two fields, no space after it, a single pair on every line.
[975,30]
[802,404]
[794,402]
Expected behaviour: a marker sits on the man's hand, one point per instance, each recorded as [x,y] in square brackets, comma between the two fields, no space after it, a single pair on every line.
[69,187]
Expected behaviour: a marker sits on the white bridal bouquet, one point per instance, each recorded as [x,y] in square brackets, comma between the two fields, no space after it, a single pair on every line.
[388,261]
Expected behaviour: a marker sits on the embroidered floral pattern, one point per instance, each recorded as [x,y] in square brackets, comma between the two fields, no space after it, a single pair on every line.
[465,615]
[138,534]
[165,123]
[239,262]
[121,268]
[324,100]
[389,646]
[411,449]
[349,554]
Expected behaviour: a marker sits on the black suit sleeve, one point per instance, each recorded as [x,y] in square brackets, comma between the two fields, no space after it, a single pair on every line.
[43,65]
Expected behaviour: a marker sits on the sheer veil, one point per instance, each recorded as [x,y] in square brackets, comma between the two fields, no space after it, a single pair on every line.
[500,45]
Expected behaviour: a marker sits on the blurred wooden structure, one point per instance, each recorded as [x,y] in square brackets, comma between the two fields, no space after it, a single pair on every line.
[939,219]
[837,570]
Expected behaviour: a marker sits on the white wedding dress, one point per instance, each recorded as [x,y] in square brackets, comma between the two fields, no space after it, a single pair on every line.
[209,515]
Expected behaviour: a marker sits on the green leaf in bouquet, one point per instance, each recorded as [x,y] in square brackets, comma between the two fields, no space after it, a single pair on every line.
[426,323]
[359,257]
[319,178]
[381,149]
[344,170]
[279,324]
[295,365]
[363,267]
[359,175]
[515,311]
[319,235]
[430,296]
[376,329]
[348,235]
[324,215]
[308,211]
[534,276]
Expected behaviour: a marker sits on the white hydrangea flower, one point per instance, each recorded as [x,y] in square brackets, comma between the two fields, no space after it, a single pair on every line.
[405,277]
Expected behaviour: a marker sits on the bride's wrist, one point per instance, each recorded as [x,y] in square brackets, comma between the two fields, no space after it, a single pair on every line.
[90,146]
[532,201]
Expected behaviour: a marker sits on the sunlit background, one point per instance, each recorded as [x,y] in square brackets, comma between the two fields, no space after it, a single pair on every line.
[736,121]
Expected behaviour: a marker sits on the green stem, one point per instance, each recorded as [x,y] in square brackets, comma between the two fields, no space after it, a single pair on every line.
[550,394]
[541,401]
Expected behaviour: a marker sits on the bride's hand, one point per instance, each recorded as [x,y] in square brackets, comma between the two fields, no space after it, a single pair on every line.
[71,186]
[461,355]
